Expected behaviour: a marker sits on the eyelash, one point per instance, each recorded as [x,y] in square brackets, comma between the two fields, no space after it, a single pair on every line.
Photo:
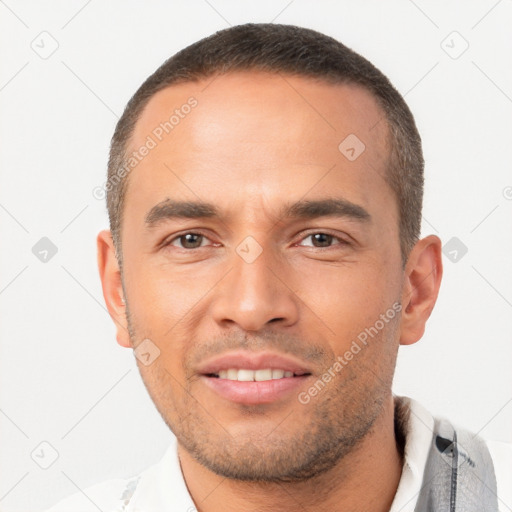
[341,241]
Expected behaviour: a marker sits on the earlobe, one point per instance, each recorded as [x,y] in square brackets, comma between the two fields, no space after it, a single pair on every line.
[422,280]
[111,282]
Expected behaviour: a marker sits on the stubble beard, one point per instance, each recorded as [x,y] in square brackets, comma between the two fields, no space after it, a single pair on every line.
[330,426]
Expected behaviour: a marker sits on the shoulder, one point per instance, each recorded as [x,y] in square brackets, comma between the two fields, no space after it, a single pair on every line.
[420,425]
[148,491]
[501,454]
[108,496]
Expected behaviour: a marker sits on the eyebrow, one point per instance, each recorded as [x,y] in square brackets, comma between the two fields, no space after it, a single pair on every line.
[334,207]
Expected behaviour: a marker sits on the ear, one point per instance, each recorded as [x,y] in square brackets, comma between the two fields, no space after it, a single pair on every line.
[422,280]
[111,282]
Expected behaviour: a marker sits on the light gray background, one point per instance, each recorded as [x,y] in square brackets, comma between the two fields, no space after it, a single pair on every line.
[64,379]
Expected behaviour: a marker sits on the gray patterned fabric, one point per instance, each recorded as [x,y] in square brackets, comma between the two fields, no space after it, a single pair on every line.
[459,474]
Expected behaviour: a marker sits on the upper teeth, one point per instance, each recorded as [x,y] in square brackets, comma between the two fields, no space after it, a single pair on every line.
[253,375]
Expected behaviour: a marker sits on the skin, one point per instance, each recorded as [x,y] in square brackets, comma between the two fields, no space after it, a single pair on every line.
[255,142]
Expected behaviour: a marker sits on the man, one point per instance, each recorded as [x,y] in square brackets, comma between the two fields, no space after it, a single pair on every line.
[264,262]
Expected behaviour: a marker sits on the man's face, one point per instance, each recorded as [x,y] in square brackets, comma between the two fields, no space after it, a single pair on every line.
[271,290]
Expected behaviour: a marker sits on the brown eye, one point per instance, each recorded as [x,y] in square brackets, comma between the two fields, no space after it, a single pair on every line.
[189,240]
[321,240]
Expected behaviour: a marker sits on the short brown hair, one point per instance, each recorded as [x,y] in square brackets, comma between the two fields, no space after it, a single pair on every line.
[291,50]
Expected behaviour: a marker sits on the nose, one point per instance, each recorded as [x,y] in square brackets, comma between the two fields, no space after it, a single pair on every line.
[254,294]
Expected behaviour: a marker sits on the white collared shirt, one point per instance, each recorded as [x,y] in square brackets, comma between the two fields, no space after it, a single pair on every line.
[162,488]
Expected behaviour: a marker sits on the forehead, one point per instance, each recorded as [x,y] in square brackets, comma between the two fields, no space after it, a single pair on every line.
[254,99]
[254,134]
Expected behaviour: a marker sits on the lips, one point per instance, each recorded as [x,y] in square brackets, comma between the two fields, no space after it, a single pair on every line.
[253,378]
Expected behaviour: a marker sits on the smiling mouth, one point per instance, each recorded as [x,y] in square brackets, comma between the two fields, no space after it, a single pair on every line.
[260,375]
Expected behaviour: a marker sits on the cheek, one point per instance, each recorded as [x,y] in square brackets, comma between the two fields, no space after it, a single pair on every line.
[160,297]
[349,300]
[170,306]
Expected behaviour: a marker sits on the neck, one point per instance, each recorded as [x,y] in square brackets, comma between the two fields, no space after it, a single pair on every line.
[365,479]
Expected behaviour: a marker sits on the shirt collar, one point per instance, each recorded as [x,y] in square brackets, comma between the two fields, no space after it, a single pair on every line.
[418,428]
